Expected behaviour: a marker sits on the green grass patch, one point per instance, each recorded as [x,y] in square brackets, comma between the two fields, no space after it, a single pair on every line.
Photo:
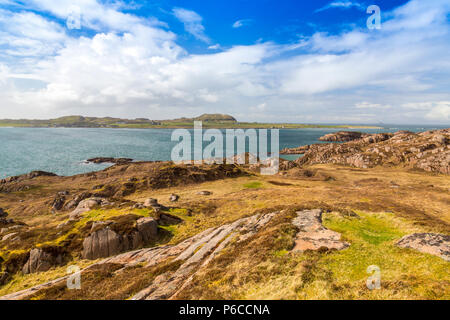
[253,185]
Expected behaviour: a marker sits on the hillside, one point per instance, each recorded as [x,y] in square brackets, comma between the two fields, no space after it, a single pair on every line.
[156,230]
[209,121]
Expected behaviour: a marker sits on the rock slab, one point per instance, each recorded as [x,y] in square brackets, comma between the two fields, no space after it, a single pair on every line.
[431,243]
[313,235]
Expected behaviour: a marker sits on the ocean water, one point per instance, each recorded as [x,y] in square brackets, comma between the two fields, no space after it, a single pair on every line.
[64,150]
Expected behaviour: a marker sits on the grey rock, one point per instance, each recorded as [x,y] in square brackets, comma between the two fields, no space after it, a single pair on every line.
[431,243]
[313,235]
[9,236]
[101,244]
[41,261]
[148,228]
[174,198]
[150,202]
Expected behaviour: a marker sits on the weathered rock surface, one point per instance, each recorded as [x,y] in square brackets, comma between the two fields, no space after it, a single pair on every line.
[343,136]
[104,242]
[28,176]
[42,260]
[313,235]
[431,243]
[109,160]
[195,253]
[429,151]
[84,206]
[174,198]
[9,236]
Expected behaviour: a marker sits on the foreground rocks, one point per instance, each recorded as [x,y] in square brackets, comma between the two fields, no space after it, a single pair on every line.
[42,260]
[192,254]
[431,243]
[429,151]
[343,136]
[313,235]
[104,241]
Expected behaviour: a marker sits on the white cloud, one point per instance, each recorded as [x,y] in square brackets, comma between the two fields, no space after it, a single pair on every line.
[242,23]
[340,4]
[368,105]
[440,112]
[134,67]
[192,23]
[214,47]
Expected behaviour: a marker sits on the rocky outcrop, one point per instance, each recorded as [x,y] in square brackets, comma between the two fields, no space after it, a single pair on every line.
[28,176]
[104,241]
[10,236]
[343,136]
[429,151]
[42,260]
[153,203]
[298,150]
[86,205]
[431,243]
[313,235]
[109,160]
[192,254]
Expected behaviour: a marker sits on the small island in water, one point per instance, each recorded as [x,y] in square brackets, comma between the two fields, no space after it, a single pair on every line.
[209,121]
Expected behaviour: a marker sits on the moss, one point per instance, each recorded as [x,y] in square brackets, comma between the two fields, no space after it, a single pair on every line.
[253,185]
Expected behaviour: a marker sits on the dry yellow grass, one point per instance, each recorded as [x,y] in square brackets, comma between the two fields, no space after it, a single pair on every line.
[392,202]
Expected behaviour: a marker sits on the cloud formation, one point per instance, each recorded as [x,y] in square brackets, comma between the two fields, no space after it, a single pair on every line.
[130,66]
[192,23]
[242,23]
[341,5]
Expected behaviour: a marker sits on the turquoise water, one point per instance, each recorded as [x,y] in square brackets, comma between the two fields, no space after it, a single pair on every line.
[63,150]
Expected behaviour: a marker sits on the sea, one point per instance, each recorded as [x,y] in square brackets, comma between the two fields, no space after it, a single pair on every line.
[64,151]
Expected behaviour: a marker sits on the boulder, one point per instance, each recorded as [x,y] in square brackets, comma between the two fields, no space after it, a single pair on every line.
[153,203]
[431,243]
[166,219]
[106,239]
[148,228]
[58,202]
[84,206]
[174,197]
[101,244]
[41,260]
[150,202]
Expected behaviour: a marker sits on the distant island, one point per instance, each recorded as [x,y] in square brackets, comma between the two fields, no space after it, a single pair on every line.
[209,121]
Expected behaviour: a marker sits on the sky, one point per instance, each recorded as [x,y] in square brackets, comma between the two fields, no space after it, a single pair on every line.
[297,61]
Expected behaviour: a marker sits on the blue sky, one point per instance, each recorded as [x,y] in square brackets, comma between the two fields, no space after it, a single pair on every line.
[286,60]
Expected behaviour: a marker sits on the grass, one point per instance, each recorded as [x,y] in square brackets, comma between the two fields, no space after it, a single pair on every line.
[275,273]
[21,282]
[253,185]
[263,267]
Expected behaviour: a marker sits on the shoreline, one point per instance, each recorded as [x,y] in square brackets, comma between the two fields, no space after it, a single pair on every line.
[262,126]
